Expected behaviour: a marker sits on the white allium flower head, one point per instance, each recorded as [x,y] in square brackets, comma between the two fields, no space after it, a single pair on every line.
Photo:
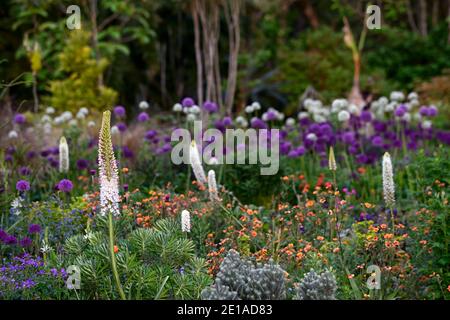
[427,124]
[406,117]
[84,110]
[417,116]
[343,116]
[280,116]
[388,181]
[397,96]
[265,117]
[249,109]
[191,117]
[353,109]
[114,130]
[308,103]
[414,103]
[185,221]
[390,107]
[13,134]
[194,109]
[63,155]
[177,107]
[383,101]
[66,115]
[413,96]
[212,186]
[46,118]
[80,115]
[317,117]
[58,120]
[143,105]
[196,164]
[302,115]
[311,136]
[73,122]
[339,104]
[50,110]
[290,122]
[91,124]
[256,105]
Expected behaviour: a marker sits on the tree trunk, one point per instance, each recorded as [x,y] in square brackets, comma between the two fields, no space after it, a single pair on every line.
[93,12]
[310,14]
[411,20]
[423,17]
[232,11]
[198,52]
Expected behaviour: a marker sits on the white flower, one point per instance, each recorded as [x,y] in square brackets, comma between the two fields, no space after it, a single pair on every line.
[13,134]
[414,103]
[177,107]
[397,96]
[108,173]
[249,109]
[191,117]
[194,109]
[196,164]
[256,106]
[185,221]
[302,115]
[58,120]
[339,104]
[114,130]
[311,136]
[16,204]
[426,124]
[290,122]
[91,124]
[46,118]
[280,116]
[89,235]
[319,118]
[413,96]
[50,110]
[390,107]
[48,128]
[66,115]
[63,155]
[406,117]
[308,103]
[353,109]
[265,117]
[417,116]
[45,247]
[242,121]
[343,116]
[73,122]
[143,105]
[80,115]
[212,186]
[388,181]
[84,110]
[383,101]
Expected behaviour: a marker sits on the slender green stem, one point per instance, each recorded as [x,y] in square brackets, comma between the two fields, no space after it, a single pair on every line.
[113,258]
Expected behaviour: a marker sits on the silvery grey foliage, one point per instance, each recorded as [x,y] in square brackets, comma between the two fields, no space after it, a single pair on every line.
[240,278]
[315,286]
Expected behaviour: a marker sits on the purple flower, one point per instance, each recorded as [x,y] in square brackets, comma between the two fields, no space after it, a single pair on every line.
[125,187]
[82,164]
[348,137]
[92,172]
[227,121]
[65,185]
[127,152]
[119,111]
[210,106]
[24,171]
[400,111]
[30,155]
[34,228]
[377,141]
[3,235]
[143,117]
[423,110]
[257,123]
[22,185]
[187,102]
[19,118]
[432,111]
[366,116]
[150,134]
[26,242]
[10,239]
[121,126]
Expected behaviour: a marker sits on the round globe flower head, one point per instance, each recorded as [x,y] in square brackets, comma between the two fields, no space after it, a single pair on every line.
[210,106]
[249,109]
[119,111]
[400,111]
[426,124]
[256,105]
[19,118]
[397,96]
[143,117]
[91,124]
[114,130]
[311,136]
[377,141]
[50,110]
[187,102]
[290,122]
[194,109]
[413,96]
[143,105]
[343,116]
[122,127]
[191,117]
[227,121]
[177,107]
[82,164]
[24,171]
[22,186]
[432,111]
[13,134]
[34,228]
[366,116]
[302,115]
[65,185]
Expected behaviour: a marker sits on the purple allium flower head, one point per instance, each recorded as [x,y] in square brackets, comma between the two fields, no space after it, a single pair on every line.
[65,185]
[82,164]
[119,111]
[26,242]
[30,155]
[34,228]
[366,116]
[227,121]
[127,152]
[10,239]
[348,137]
[92,172]
[257,123]
[187,102]
[377,141]
[125,187]
[3,235]
[271,115]
[143,117]
[210,106]
[400,111]
[24,171]
[150,134]
[22,185]
[432,111]
[423,110]
[121,126]
[19,118]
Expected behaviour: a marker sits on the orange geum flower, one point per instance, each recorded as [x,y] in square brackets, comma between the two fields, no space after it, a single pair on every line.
[423,242]
[125,170]
[309,203]
[320,238]
[116,249]
[383,226]
[388,236]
